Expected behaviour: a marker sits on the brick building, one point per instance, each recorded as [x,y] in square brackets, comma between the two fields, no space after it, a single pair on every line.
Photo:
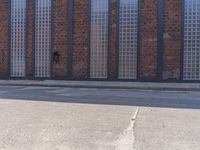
[138,40]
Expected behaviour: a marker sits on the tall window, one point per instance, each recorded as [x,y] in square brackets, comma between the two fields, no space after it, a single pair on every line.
[99,39]
[18,38]
[192,40]
[128,25]
[42,38]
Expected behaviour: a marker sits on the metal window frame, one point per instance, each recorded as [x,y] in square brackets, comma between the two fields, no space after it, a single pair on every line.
[160,40]
[182,47]
[138,41]
[89,42]
[9,41]
[70,5]
[109,38]
[109,44]
[51,45]
[182,39]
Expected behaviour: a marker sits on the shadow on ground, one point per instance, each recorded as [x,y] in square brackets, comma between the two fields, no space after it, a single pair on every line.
[166,99]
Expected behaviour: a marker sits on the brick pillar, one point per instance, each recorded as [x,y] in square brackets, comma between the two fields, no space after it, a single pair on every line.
[60,20]
[172,39]
[148,42]
[80,39]
[113,53]
[4,39]
[29,54]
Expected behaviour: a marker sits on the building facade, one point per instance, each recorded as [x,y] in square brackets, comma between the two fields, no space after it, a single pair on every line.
[126,40]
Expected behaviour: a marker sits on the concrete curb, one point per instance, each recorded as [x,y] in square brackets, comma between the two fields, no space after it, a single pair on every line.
[105,85]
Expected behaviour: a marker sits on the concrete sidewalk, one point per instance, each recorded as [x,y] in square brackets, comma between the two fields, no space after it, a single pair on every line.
[167,129]
[106,84]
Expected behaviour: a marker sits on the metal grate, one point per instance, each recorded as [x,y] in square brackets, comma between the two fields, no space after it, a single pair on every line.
[18,38]
[99,38]
[128,25]
[42,38]
[191,67]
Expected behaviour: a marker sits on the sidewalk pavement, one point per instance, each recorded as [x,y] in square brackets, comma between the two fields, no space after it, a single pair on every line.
[105,84]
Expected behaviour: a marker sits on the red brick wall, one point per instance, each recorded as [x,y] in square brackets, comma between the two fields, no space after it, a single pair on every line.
[80,39]
[80,43]
[113,74]
[4,35]
[148,43]
[172,39]
[60,20]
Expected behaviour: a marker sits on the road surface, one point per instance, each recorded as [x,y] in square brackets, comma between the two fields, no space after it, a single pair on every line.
[53,118]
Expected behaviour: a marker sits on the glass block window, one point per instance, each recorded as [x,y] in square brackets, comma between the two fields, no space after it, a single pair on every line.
[128,25]
[18,38]
[99,38]
[42,38]
[191,64]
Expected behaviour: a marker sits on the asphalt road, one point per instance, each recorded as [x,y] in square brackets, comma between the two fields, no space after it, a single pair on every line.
[47,118]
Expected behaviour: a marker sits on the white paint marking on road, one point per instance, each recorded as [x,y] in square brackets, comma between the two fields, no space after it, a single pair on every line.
[127,139]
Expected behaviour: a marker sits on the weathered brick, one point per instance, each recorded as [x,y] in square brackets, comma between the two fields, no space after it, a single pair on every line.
[80,42]
[4,38]
[113,49]
[60,32]
[80,39]
[172,39]
[148,42]
[29,53]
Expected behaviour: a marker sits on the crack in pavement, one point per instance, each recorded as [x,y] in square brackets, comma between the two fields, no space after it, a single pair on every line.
[127,139]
